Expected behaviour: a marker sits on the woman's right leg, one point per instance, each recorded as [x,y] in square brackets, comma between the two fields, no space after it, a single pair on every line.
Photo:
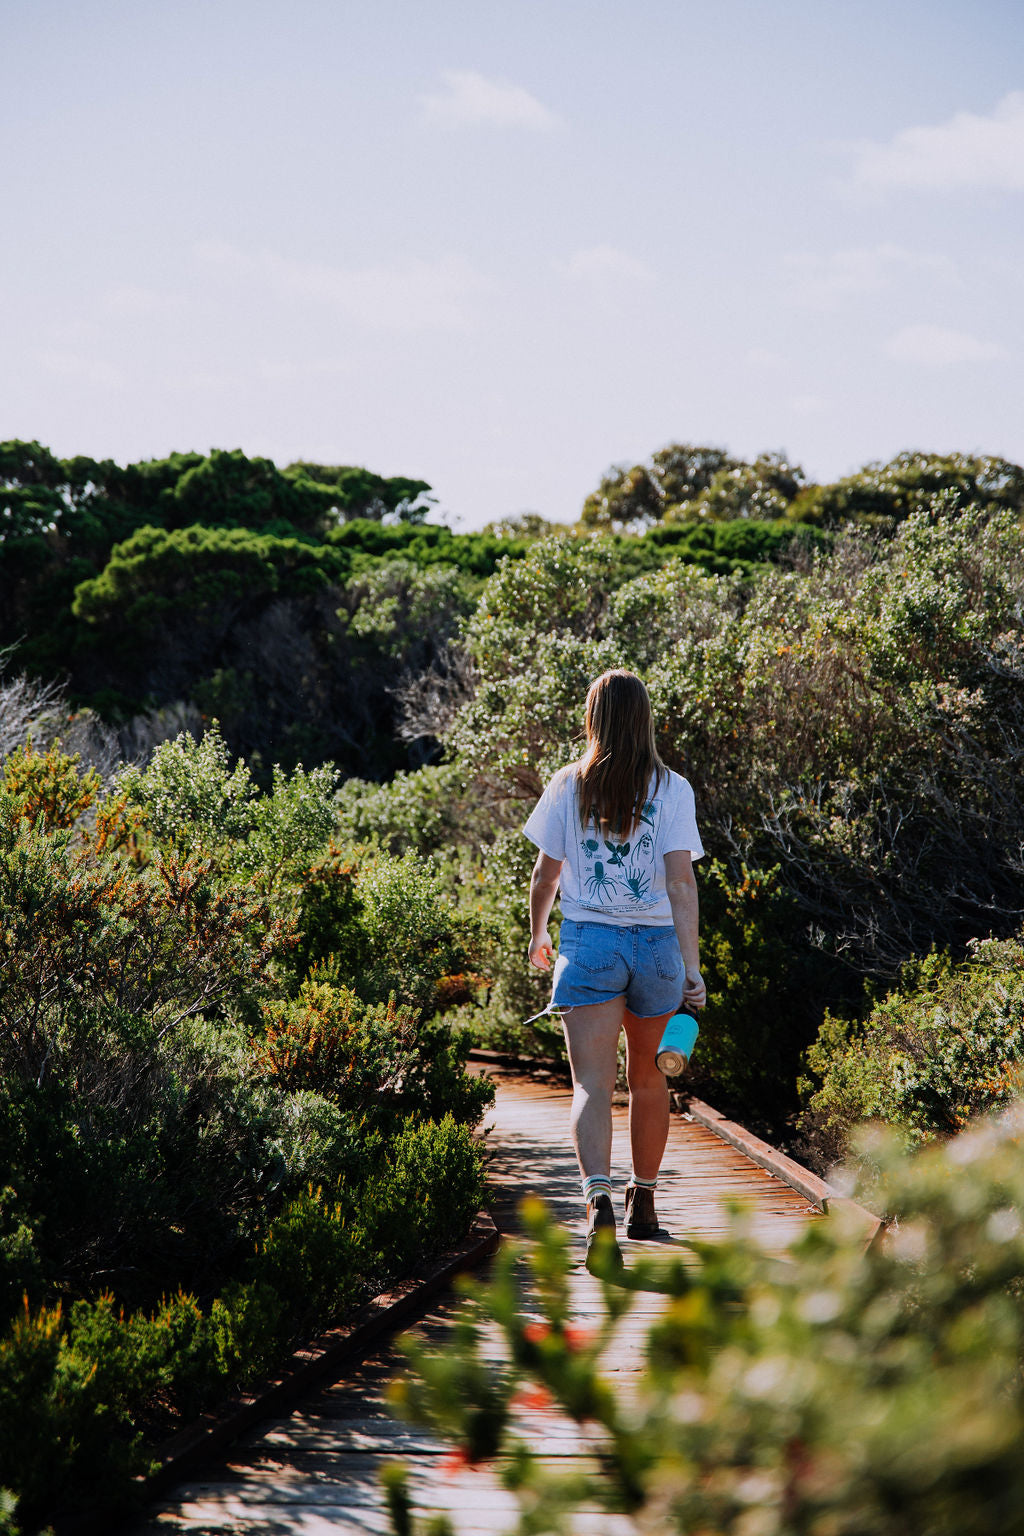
[592,1040]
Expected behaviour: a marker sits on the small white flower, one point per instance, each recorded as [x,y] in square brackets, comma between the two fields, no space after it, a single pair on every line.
[909,1243]
[765,1378]
[1003,1225]
[820,1306]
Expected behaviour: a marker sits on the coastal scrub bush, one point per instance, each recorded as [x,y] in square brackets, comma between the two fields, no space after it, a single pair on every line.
[205,1153]
[81,1389]
[83,932]
[49,785]
[382,1064]
[944,1046]
[195,801]
[423,1194]
[425,812]
[851,723]
[754,1031]
[415,932]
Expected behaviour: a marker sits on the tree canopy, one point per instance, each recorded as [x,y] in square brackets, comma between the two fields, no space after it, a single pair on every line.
[301,605]
[687,483]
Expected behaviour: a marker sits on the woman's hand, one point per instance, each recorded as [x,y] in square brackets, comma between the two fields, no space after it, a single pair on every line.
[541,951]
[543,889]
[695,993]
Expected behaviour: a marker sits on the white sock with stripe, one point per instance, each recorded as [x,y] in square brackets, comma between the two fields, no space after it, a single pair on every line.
[599,1184]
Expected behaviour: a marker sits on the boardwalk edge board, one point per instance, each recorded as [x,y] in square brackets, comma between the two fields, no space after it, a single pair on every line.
[314,1364]
[814,1189]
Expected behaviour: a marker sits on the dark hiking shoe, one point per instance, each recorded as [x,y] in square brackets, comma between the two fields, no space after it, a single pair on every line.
[604,1257]
[641,1217]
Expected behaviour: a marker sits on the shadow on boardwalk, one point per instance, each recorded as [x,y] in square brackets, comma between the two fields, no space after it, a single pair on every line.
[316,1472]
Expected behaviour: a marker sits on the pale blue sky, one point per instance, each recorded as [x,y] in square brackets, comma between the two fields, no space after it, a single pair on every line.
[502,246]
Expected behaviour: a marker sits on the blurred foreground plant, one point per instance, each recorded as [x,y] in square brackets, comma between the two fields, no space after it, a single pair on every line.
[836,1392]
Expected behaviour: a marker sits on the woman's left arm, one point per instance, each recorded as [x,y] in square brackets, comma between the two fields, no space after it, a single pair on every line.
[682,894]
[543,890]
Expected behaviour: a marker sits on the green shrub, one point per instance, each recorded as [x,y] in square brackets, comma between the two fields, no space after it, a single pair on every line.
[329,916]
[145,1174]
[518,992]
[9,1526]
[84,933]
[424,1192]
[80,1392]
[945,1046]
[314,1263]
[426,812]
[72,1395]
[415,932]
[196,803]
[848,1390]
[765,981]
[329,1041]
[50,785]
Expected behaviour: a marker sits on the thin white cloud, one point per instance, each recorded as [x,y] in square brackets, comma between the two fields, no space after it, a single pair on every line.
[825,281]
[765,360]
[407,296]
[75,335]
[970,150]
[939,346]
[135,302]
[90,370]
[271,371]
[469,98]
[601,263]
[808,405]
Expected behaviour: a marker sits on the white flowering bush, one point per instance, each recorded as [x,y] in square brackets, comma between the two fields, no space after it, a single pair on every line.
[196,803]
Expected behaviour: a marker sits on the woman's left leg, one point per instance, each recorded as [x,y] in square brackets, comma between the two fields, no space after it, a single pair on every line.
[648,1094]
[591,1037]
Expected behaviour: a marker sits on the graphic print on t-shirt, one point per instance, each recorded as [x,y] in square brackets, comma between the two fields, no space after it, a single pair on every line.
[617,873]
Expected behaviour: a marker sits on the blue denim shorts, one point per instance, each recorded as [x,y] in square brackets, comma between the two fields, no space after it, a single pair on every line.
[599,961]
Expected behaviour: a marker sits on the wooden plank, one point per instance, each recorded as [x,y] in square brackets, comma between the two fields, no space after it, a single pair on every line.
[317,1470]
[815,1189]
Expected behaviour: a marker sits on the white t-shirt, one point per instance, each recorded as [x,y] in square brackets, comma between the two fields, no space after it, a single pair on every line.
[609,881]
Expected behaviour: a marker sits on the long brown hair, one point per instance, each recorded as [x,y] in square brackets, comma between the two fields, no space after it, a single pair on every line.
[615,770]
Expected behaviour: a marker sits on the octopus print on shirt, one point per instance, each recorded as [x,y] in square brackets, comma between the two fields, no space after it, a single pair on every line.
[618,880]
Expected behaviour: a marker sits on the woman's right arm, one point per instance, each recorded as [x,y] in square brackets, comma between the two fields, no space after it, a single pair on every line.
[543,889]
[682,895]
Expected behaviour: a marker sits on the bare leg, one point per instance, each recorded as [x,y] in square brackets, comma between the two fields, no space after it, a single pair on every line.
[592,1039]
[648,1094]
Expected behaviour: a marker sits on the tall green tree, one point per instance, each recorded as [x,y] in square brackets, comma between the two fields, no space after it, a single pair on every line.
[884,494]
[638,496]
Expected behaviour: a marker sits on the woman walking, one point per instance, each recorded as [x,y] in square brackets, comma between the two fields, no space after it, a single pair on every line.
[617,832]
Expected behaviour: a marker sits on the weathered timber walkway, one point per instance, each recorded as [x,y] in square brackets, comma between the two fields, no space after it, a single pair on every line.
[315,1473]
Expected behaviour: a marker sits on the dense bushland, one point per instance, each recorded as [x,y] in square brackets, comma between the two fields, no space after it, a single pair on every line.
[238,999]
[289,604]
[854,730]
[229,1104]
[853,726]
[836,668]
[943,1046]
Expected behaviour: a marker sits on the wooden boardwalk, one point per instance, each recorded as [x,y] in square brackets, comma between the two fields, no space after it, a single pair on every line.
[315,1473]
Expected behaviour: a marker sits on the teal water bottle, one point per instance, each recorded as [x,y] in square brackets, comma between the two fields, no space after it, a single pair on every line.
[677,1044]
